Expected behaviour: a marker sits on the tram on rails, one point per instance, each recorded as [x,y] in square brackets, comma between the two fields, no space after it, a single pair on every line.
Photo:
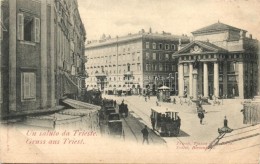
[165,121]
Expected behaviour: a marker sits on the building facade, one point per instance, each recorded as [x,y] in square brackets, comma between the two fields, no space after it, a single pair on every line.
[135,61]
[221,61]
[42,54]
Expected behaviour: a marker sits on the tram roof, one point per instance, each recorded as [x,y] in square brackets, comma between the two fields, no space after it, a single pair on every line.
[163,109]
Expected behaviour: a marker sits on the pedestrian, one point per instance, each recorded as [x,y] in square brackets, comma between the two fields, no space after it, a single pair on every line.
[153,121]
[145,134]
[148,95]
[201,116]
[157,104]
[180,101]
[145,98]
[174,101]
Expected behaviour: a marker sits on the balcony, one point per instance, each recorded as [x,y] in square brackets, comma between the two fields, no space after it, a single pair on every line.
[128,73]
[100,74]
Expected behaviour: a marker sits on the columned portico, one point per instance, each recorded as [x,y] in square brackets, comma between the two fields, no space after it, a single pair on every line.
[219,72]
[195,84]
[190,79]
[225,81]
[241,79]
[216,79]
[180,79]
[205,80]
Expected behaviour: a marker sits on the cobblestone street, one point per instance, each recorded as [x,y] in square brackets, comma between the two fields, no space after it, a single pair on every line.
[192,133]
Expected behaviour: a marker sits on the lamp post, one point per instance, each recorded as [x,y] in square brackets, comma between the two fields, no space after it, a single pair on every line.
[170,81]
[175,78]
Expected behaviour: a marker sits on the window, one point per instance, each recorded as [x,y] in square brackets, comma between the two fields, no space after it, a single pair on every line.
[167,46]
[155,67]
[28,86]
[173,56]
[166,56]
[160,46]
[138,67]
[147,56]
[147,45]
[232,67]
[160,56]
[173,47]
[174,68]
[147,67]
[167,68]
[28,28]
[154,46]
[160,67]
[133,56]
[154,56]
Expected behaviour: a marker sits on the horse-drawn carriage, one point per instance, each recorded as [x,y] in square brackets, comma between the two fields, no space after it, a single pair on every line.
[111,118]
[165,121]
[123,110]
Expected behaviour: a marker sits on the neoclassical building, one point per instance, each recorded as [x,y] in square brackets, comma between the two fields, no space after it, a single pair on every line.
[220,61]
[135,61]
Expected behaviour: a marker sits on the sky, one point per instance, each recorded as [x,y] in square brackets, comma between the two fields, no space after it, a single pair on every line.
[120,17]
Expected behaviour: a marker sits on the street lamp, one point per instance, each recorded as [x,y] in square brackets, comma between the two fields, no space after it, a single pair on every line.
[175,77]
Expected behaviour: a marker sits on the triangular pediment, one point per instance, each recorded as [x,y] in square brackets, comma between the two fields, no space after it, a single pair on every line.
[197,47]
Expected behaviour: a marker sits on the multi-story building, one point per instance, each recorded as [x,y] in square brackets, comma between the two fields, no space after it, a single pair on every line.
[42,54]
[220,61]
[135,61]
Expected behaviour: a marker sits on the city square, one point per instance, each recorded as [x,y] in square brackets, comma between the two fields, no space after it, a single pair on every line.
[129,81]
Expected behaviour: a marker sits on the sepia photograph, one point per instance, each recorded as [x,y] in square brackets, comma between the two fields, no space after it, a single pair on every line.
[130,81]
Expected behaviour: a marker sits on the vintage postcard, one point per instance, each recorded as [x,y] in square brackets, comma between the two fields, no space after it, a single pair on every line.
[129,81]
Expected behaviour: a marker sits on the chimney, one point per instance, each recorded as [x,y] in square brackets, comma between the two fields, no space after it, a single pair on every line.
[150,30]
[250,36]
[143,31]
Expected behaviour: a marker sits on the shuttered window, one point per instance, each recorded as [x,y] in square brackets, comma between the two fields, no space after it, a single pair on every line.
[28,86]
[20,28]
[37,29]
[28,28]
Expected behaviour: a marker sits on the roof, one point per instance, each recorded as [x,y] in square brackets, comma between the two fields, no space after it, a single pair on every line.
[205,45]
[160,109]
[216,27]
[136,36]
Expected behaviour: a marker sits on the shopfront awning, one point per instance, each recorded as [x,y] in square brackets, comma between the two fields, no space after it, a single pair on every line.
[69,86]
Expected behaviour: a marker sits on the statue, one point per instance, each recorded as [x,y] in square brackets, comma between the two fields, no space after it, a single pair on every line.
[196,64]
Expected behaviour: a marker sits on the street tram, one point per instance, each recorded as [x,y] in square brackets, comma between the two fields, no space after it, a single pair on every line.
[165,121]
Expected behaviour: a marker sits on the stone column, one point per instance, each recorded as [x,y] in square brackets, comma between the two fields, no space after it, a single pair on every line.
[43,54]
[205,79]
[52,52]
[190,79]
[257,97]
[216,79]
[200,79]
[12,55]
[241,79]
[195,84]
[180,79]
[225,81]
